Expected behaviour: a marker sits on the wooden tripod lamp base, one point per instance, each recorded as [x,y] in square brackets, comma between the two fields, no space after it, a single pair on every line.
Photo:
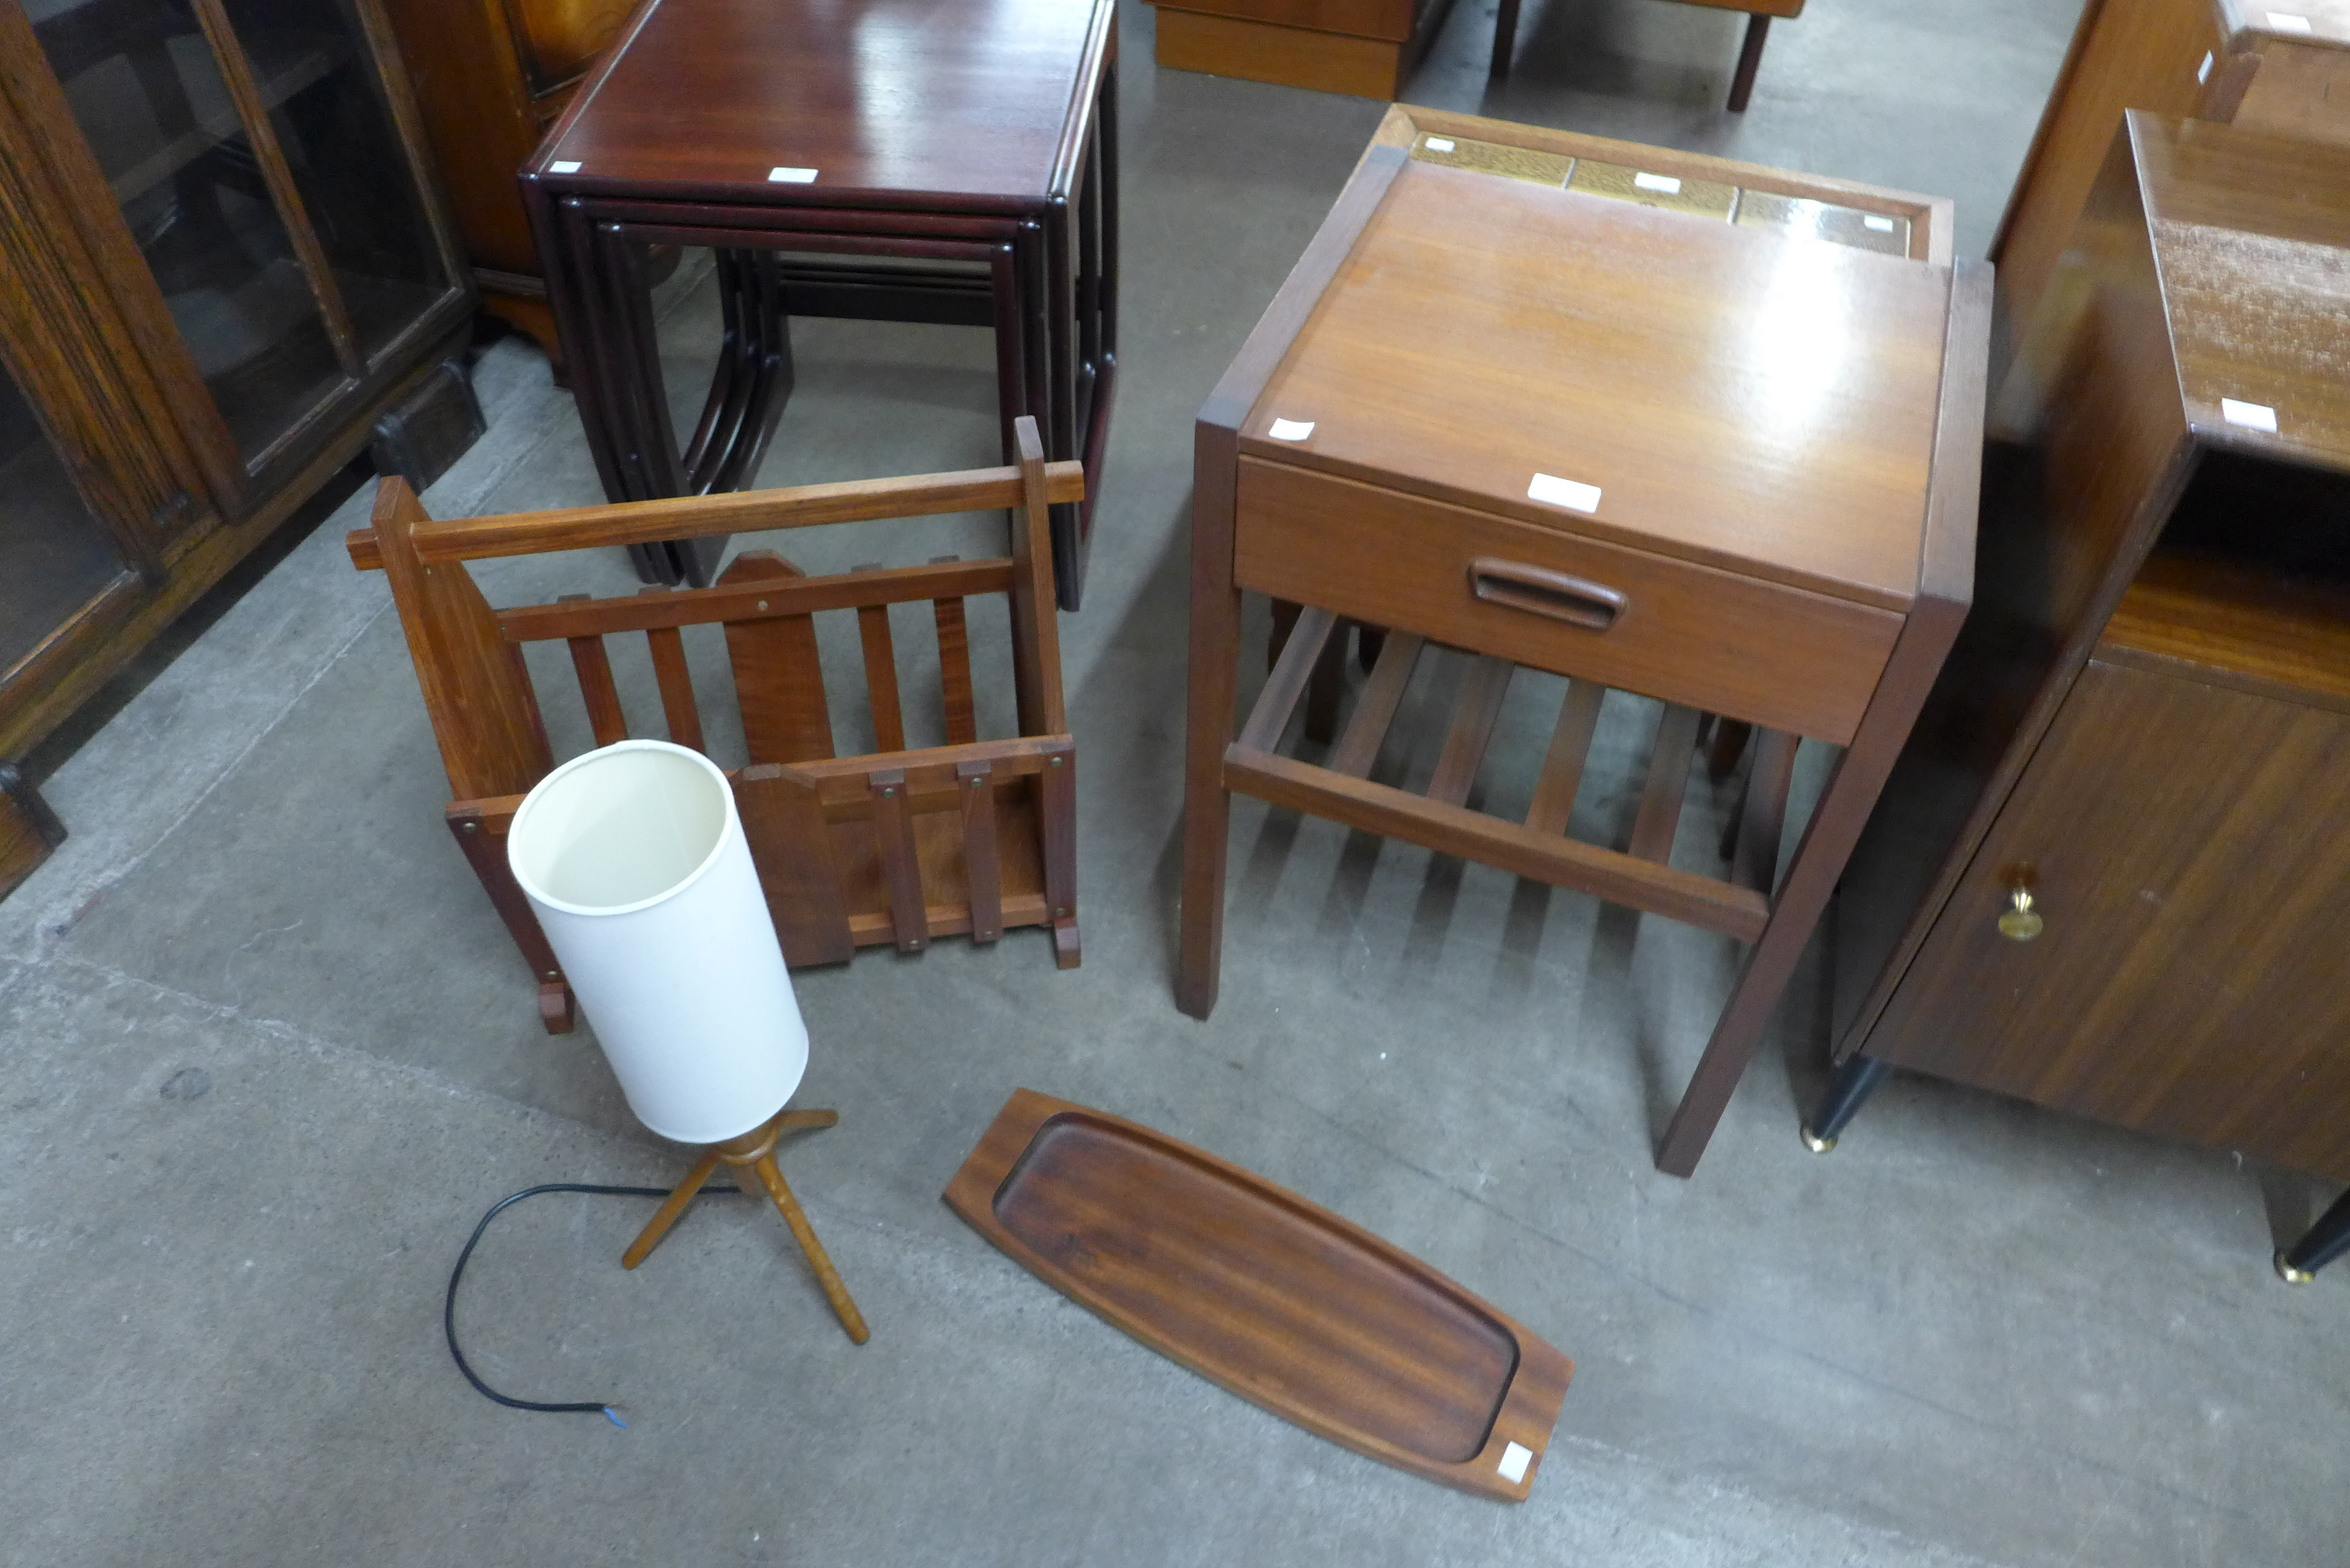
[753,1154]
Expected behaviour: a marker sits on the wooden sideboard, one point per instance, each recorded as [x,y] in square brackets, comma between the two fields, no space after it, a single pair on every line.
[2111,872]
[2282,73]
[492,76]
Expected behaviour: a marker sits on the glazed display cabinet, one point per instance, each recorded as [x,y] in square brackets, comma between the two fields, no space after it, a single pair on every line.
[221,264]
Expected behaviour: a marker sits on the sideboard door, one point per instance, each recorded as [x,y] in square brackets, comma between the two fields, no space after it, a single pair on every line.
[2188,849]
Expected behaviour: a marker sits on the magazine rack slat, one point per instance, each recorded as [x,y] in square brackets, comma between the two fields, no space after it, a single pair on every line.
[897,845]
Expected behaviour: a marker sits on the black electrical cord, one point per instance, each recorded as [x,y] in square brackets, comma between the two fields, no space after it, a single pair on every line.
[449,1308]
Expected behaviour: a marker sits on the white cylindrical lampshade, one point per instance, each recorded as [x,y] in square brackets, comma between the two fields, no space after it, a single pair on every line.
[634,857]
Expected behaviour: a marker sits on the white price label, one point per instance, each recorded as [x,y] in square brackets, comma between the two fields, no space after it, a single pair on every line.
[2252,416]
[1550,489]
[1664,182]
[781,176]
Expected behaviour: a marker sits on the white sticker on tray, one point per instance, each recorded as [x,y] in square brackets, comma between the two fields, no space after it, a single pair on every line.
[1557,492]
[1439,144]
[2252,416]
[1879,221]
[1664,182]
[1514,1460]
[2286,22]
[781,176]
[568,166]
[1291,429]
[2203,71]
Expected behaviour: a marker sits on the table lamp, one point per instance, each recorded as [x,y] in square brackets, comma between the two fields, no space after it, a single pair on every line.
[634,859]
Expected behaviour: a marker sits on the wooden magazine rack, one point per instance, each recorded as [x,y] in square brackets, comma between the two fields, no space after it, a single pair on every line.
[895,846]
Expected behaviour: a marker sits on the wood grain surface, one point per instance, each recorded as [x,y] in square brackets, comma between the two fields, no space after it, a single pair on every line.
[2251,236]
[2126,53]
[2260,629]
[1756,650]
[2186,980]
[715,93]
[1264,1293]
[1738,399]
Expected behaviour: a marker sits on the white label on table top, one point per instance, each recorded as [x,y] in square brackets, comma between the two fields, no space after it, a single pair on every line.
[1567,493]
[2286,22]
[781,176]
[2253,416]
[568,166]
[1514,1460]
[1439,144]
[2203,71]
[1664,182]
[1879,221]
[1291,429]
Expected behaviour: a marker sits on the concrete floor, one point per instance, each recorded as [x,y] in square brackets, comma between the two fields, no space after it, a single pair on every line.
[270,1055]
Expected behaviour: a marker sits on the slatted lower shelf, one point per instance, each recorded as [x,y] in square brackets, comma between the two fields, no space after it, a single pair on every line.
[1638,875]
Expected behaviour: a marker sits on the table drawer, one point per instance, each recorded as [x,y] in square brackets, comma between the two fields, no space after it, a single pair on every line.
[1773,655]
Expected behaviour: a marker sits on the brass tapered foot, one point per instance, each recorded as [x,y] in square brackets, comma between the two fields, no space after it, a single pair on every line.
[2288,1273]
[1815,1142]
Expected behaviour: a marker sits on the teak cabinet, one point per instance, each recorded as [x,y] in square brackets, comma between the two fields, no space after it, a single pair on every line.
[2111,872]
[2280,71]
[222,262]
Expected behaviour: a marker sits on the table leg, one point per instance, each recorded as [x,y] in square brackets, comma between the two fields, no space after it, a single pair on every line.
[1811,877]
[1750,60]
[1848,1090]
[1010,352]
[1505,37]
[566,239]
[2326,1241]
[1210,711]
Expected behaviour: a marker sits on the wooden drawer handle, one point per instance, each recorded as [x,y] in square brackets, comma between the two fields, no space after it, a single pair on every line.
[1539,591]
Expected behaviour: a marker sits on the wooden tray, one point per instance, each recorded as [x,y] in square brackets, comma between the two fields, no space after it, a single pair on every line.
[1273,1298]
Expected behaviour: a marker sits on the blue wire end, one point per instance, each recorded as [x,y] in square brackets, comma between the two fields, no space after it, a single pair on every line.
[613,1415]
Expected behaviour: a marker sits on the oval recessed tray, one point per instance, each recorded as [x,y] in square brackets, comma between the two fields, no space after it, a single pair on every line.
[1266,1294]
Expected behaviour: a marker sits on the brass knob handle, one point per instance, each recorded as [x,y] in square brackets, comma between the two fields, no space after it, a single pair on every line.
[2020,922]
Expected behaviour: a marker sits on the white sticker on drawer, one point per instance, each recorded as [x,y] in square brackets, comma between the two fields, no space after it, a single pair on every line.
[2253,416]
[2203,71]
[1567,493]
[781,176]
[2286,22]
[1439,144]
[568,166]
[1291,429]
[1514,1460]
[1664,182]
[1877,221]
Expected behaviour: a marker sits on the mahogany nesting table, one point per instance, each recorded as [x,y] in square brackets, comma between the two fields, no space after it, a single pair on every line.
[885,159]
[1698,431]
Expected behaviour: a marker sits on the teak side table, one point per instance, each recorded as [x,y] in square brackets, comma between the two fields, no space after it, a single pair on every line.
[872,159]
[1703,432]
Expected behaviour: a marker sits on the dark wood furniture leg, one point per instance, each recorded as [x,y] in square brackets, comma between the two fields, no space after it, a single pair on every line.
[2326,1241]
[1750,60]
[1848,1089]
[1505,37]
[1213,696]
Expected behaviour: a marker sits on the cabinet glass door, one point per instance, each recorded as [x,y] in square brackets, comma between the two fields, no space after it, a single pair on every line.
[56,558]
[328,116]
[151,98]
